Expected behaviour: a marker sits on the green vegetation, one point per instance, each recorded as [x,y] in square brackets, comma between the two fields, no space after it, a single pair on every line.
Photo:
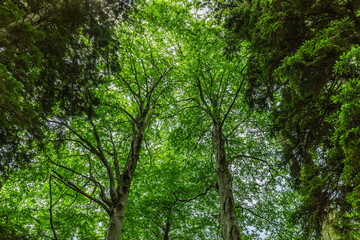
[179,120]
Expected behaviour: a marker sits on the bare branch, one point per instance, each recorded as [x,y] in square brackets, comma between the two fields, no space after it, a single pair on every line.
[133,120]
[207,108]
[89,145]
[264,218]
[162,76]
[136,95]
[115,156]
[237,125]
[77,189]
[50,210]
[256,158]
[233,101]
[104,160]
[195,197]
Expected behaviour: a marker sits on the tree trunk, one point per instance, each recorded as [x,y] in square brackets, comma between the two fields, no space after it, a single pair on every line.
[116,223]
[123,190]
[167,231]
[328,231]
[229,225]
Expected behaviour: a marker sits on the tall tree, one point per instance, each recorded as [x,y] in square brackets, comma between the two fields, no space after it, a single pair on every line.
[129,100]
[41,62]
[296,50]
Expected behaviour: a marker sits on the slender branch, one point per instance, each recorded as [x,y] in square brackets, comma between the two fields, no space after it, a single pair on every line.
[195,197]
[237,125]
[115,156]
[89,145]
[104,160]
[202,95]
[132,119]
[149,152]
[61,195]
[91,178]
[150,92]
[90,166]
[264,218]
[77,189]
[223,92]
[233,102]
[256,158]
[136,95]
[73,140]
[70,170]
[136,77]
[50,210]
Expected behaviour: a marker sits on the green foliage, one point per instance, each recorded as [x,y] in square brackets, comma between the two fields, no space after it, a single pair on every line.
[303,63]
[43,65]
[86,82]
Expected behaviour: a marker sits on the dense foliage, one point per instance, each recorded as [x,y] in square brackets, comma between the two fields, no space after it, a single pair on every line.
[179,120]
[304,67]
[45,58]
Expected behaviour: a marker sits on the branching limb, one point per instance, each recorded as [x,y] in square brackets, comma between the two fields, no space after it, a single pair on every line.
[255,158]
[261,217]
[77,189]
[91,178]
[86,142]
[104,160]
[156,83]
[201,92]
[132,119]
[233,101]
[115,156]
[195,197]
[136,95]
[238,125]
[50,210]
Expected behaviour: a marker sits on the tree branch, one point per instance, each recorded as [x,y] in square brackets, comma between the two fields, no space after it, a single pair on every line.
[89,145]
[77,189]
[207,108]
[50,210]
[255,158]
[91,178]
[259,216]
[115,156]
[233,102]
[195,197]
[104,160]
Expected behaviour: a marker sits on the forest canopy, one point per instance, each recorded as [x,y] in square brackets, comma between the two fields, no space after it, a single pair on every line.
[171,119]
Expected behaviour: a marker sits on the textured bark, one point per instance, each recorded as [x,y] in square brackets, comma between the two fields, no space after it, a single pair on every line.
[328,231]
[116,223]
[228,222]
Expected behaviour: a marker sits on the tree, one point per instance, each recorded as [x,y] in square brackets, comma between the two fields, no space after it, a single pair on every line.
[212,96]
[41,58]
[296,49]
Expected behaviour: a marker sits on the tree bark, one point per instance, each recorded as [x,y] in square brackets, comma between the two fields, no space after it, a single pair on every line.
[167,231]
[116,224]
[118,210]
[328,231]
[228,222]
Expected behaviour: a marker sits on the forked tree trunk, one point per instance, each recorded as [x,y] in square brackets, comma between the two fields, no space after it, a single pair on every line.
[228,222]
[123,190]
